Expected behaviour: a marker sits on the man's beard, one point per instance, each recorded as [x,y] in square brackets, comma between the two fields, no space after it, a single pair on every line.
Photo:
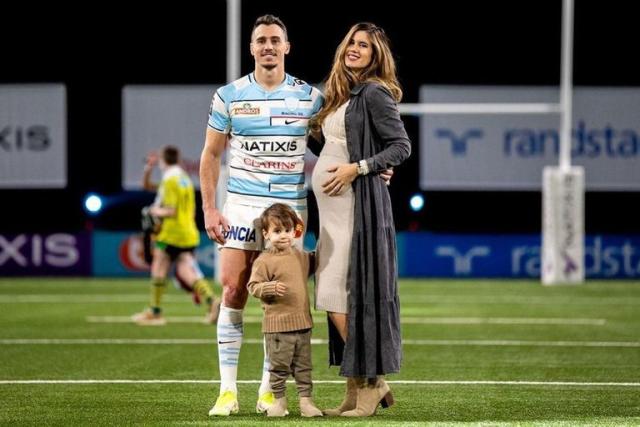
[269,67]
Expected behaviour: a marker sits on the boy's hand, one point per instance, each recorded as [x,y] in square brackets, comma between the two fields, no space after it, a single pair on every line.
[280,289]
[268,291]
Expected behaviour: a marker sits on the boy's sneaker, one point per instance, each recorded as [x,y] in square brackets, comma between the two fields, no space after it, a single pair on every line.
[308,408]
[226,404]
[148,318]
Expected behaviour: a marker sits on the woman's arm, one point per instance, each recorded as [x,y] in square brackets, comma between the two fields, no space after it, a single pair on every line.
[385,118]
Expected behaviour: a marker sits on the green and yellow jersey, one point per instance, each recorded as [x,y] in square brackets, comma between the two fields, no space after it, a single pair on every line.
[176,191]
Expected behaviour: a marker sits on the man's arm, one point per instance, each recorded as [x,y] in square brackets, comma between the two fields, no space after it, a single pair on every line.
[210,159]
[152,161]
[163,211]
[167,207]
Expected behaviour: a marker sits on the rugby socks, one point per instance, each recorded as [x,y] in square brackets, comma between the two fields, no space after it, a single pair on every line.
[158,286]
[204,290]
[265,386]
[230,331]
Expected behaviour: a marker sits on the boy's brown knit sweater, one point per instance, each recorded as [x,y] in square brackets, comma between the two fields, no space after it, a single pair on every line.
[289,312]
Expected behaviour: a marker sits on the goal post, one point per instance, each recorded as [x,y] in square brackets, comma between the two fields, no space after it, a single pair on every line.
[563,225]
[563,186]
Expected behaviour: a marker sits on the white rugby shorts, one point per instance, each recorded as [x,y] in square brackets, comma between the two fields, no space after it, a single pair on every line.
[243,216]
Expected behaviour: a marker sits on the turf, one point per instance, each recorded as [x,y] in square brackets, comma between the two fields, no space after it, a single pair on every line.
[477,339]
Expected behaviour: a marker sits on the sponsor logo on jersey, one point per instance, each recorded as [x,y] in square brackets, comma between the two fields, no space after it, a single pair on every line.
[271,164]
[269,146]
[246,110]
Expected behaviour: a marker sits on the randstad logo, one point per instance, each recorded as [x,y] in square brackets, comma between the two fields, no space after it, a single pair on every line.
[246,109]
[587,142]
[242,234]
[459,142]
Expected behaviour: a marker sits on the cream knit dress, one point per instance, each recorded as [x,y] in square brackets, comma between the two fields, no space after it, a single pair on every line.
[336,220]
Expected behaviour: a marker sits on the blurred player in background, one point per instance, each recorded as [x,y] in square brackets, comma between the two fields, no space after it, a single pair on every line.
[173,216]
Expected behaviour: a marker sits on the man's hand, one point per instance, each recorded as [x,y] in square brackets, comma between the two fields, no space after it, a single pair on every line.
[152,159]
[215,224]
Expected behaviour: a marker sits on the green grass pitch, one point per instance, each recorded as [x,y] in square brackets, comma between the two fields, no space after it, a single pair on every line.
[475,353]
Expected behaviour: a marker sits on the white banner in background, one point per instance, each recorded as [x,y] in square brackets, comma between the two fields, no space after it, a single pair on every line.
[33,136]
[155,116]
[509,151]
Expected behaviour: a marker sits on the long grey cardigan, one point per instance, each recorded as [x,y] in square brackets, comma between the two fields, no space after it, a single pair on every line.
[375,133]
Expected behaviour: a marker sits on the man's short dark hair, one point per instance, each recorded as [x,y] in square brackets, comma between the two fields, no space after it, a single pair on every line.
[270,20]
[171,155]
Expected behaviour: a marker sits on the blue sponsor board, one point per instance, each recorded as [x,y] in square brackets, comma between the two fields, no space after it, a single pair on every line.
[49,254]
[121,254]
[509,256]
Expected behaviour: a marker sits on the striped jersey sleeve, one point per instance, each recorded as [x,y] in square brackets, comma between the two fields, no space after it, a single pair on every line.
[219,118]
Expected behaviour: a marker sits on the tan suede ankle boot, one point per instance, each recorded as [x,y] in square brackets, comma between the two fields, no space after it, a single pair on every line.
[369,396]
[349,401]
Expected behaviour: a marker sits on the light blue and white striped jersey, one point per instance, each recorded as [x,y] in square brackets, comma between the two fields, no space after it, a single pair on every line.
[268,136]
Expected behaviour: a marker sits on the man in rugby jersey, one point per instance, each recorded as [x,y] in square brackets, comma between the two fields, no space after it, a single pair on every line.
[264,115]
[178,237]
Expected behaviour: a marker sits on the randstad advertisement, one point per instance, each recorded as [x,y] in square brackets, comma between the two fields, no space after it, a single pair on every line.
[509,256]
[419,255]
[508,151]
[122,254]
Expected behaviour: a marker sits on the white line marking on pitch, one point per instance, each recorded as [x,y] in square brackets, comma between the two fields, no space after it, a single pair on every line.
[314,341]
[404,320]
[408,299]
[84,299]
[400,382]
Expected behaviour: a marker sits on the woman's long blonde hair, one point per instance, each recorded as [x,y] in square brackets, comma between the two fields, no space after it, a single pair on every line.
[341,80]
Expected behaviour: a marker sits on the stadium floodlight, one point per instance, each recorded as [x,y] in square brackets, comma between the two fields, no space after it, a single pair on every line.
[93,203]
[416,202]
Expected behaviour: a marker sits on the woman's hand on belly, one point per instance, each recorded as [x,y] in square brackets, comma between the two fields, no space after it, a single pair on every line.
[340,178]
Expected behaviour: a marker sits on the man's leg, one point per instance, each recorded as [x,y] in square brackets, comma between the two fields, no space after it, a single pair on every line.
[235,265]
[188,270]
[159,270]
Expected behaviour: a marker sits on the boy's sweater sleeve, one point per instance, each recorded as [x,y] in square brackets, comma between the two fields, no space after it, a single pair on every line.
[259,284]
